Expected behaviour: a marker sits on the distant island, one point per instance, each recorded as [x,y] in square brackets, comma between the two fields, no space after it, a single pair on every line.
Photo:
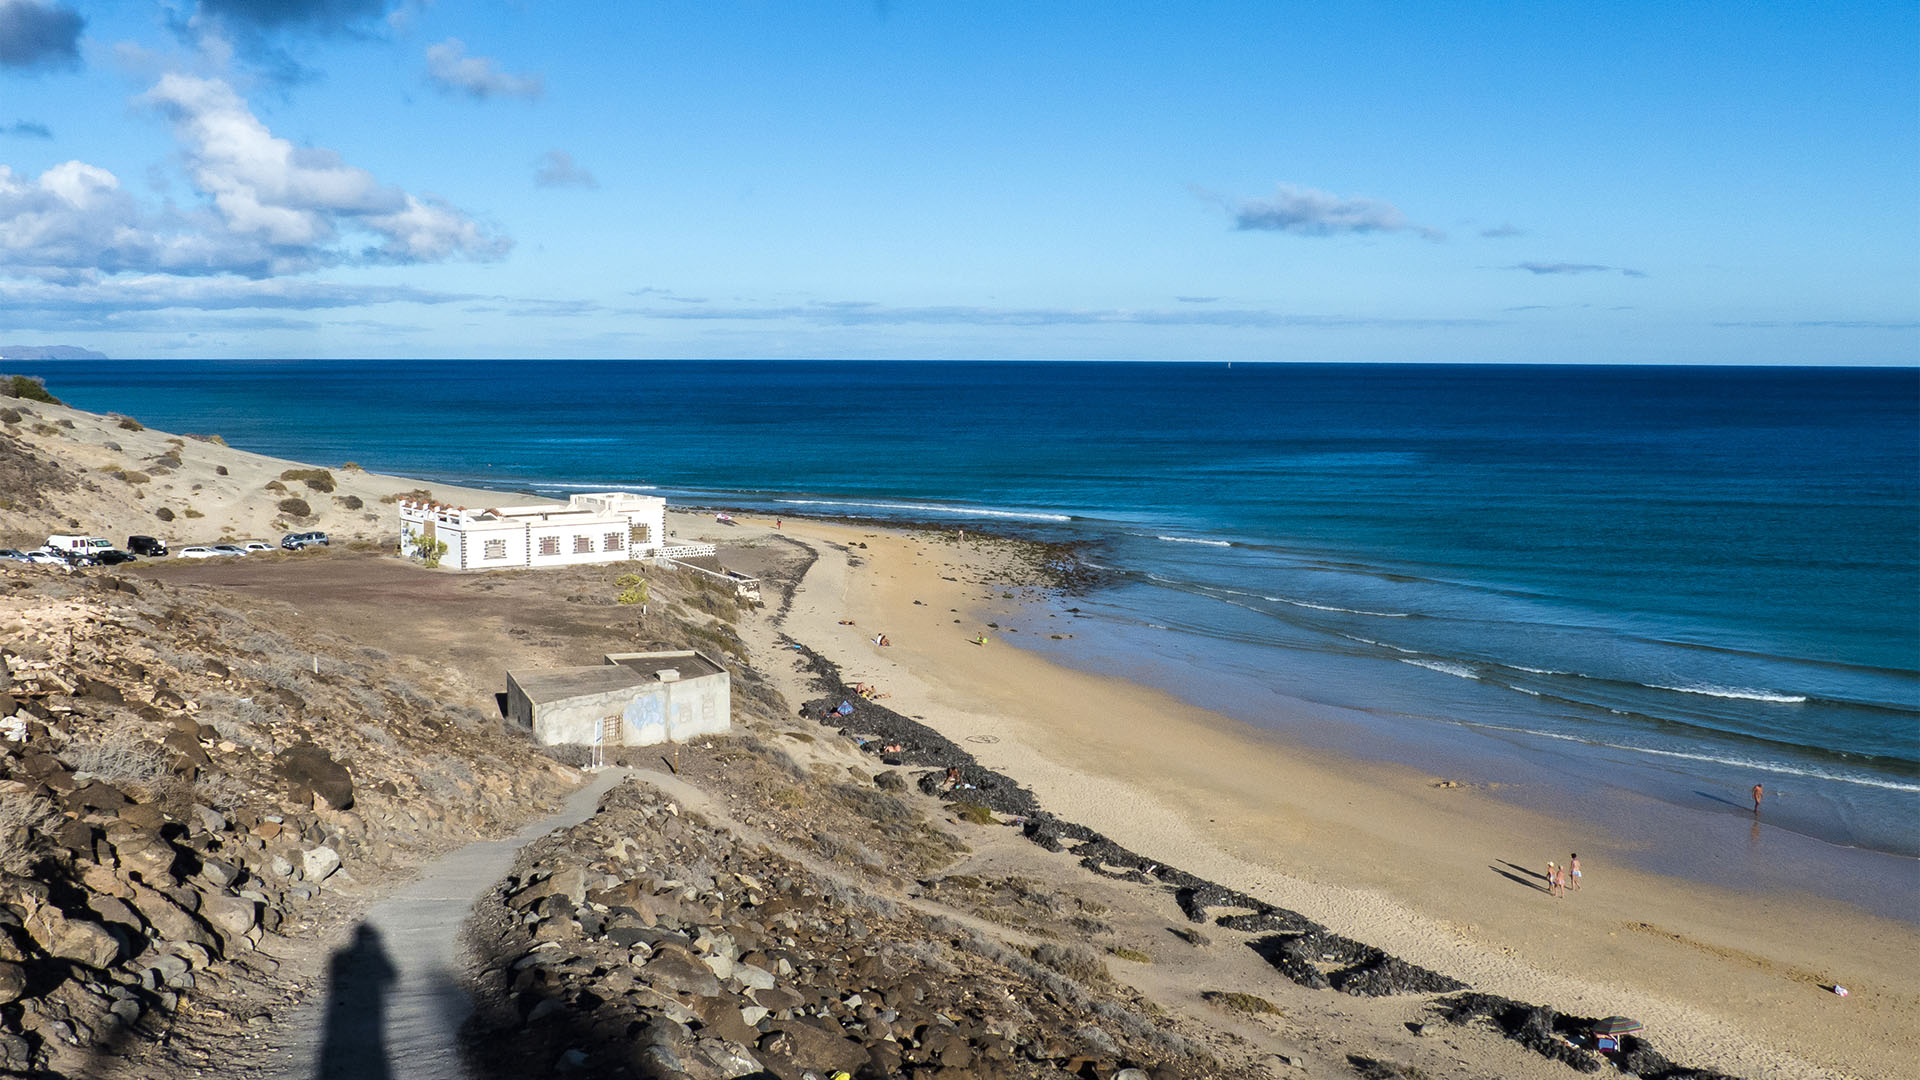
[48,352]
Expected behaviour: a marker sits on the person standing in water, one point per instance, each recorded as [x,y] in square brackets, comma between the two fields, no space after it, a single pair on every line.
[1758,791]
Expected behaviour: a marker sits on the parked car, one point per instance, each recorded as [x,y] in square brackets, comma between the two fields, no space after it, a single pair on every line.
[196,553]
[43,557]
[146,545]
[11,555]
[299,540]
[252,546]
[81,545]
[113,557]
[228,549]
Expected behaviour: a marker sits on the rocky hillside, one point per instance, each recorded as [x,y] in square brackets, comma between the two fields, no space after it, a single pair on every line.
[652,942]
[185,794]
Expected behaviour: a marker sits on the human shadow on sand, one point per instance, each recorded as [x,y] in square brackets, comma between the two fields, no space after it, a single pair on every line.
[355,1045]
[1520,875]
[1723,799]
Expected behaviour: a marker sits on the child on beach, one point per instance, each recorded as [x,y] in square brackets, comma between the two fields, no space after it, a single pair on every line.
[1553,879]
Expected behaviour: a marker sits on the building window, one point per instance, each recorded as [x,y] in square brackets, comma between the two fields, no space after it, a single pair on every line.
[612,542]
[641,535]
[583,545]
[549,545]
[494,549]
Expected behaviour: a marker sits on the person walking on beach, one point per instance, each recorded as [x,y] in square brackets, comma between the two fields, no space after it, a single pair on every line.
[1553,879]
[1573,871]
[1758,791]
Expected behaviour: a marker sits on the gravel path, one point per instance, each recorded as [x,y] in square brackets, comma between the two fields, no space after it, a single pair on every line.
[395,997]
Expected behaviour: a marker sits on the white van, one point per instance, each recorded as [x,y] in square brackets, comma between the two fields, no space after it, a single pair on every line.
[79,545]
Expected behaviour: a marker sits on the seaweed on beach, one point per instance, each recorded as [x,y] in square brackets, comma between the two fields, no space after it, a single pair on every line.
[1552,1034]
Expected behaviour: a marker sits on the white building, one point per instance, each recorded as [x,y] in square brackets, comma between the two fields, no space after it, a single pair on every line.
[603,527]
[633,699]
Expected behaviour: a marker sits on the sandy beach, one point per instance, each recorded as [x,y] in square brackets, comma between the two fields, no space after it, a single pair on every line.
[1447,877]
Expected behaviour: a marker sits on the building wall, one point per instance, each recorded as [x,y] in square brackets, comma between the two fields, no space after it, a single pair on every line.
[678,711]
[510,544]
[524,530]
[652,713]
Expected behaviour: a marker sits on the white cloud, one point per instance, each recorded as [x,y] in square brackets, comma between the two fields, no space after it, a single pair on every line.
[451,69]
[271,207]
[301,197]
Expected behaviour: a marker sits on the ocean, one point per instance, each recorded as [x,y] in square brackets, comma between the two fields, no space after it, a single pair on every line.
[1669,582]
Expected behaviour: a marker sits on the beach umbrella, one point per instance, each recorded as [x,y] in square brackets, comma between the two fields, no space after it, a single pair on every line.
[1616,1025]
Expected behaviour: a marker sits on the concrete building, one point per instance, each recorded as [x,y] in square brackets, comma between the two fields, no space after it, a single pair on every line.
[608,526]
[634,699]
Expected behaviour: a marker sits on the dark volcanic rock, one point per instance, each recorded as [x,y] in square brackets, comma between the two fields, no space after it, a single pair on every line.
[312,768]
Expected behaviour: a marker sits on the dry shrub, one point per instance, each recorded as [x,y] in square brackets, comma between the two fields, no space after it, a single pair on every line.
[25,821]
[1075,961]
[122,758]
[295,508]
[222,791]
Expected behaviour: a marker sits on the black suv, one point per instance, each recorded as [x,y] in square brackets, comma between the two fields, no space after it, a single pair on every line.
[296,541]
[146,545]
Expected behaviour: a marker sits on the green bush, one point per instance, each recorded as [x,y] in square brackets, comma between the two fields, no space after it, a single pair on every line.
[190,512]
[973,812]
[295,507]
[633,589]
[318,479]
[275,485]
[28,387]
[429,550]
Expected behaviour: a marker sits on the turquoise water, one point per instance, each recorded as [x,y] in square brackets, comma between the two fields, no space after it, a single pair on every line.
[1675,581]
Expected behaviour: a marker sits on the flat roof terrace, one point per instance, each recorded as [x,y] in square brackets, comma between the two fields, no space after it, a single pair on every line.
[558,684]
[690,665]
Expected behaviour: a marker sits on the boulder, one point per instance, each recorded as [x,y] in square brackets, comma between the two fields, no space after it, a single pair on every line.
[100,691]
[675,969]
[232,916]
[82,942]
[310,768]
[13,979]
[814,1047]
[319,863]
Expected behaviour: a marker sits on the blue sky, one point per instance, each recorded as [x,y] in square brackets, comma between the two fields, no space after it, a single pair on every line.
[1640,183]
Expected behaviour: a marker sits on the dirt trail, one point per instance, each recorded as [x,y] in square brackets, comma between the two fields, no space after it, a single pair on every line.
[396,996]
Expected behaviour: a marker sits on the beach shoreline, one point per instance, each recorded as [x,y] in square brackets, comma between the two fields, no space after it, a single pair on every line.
[1442,876]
